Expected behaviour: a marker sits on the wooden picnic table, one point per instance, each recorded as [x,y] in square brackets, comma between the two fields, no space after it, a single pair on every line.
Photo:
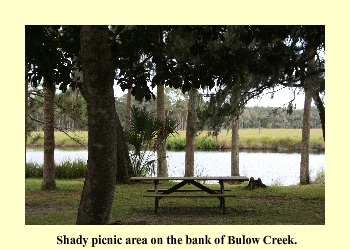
[161,193]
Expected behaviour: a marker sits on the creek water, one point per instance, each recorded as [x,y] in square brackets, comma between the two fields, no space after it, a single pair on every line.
[272,167]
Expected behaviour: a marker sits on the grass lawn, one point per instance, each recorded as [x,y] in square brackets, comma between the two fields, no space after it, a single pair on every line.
[275,205]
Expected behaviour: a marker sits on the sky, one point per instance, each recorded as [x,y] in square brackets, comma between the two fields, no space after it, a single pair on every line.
[282,97]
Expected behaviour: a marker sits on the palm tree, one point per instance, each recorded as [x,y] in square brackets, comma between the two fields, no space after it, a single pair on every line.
[49,182]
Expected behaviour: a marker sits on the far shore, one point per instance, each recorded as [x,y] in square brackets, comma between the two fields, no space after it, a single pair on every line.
[282,140]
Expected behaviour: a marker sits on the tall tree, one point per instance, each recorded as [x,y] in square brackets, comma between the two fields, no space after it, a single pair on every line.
[304,164]
[97,89]
[305,140]
[162,169]
[26,129]
[124,169]
[190,133]
[235,138]
[49,182]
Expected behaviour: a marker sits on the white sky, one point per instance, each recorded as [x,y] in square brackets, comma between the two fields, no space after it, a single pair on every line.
[280,98]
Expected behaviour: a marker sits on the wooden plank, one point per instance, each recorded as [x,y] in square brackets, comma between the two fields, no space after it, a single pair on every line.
[185,190]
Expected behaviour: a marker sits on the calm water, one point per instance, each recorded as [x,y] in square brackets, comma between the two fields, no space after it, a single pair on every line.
[271,167]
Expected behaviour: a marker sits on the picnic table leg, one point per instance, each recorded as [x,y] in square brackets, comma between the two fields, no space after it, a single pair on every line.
[222,199]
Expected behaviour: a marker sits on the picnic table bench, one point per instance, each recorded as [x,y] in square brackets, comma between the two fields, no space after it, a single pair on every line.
[176,191]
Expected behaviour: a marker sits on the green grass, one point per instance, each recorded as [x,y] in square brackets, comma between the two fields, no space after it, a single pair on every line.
[274,205]
[249,138]
[64,170]
[61,139]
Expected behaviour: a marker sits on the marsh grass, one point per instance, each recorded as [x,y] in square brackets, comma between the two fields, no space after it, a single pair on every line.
[289,139]
[251,139]
[64,170]
[274,205]
[61,139]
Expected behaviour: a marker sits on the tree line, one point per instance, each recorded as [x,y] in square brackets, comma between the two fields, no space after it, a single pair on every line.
[232,64]
[71,113]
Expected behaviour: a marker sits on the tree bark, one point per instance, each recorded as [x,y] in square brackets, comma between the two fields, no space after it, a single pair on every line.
[305,139]
[321,112]
[25,113]
[235,148]
[235,127]
[304,165]
[49,182]
[124,169]
[97,89]
[128,110]
[162,170]
[190,133]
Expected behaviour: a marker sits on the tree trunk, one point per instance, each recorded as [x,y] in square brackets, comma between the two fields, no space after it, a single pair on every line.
[190,133]
[304,165]
[321,112]
[97,89]
[305,140]
[235,139]
[235,148]
[25,112]
[162,170]
[125,169]
[49,182]
[128,110]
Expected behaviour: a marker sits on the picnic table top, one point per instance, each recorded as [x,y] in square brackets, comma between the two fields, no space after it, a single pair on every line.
[228,178]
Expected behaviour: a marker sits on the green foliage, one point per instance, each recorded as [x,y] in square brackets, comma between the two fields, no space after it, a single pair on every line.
[320,178]
[34,170]
[272,117]
[201,142]
[71,170]
[144,163]
[176,143]
[63,170]
[206,143]
[146,130]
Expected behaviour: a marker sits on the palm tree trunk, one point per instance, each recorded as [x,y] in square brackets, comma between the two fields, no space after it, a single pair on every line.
[162,170]
[190,133]
[305,140]
[49,182]
[25,111]
[304,165]
[235,148]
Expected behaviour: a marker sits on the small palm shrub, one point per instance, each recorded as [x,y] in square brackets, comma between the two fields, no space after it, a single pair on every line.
[145,136]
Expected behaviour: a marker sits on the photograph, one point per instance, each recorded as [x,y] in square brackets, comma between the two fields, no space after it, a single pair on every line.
[175,125]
